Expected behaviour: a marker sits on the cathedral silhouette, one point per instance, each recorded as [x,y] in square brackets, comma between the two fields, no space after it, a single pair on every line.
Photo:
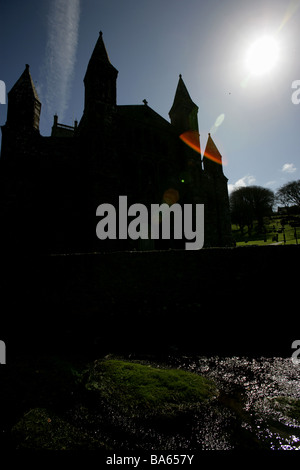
[51,186]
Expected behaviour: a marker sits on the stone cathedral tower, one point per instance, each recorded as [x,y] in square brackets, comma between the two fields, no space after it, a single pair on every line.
[50,186]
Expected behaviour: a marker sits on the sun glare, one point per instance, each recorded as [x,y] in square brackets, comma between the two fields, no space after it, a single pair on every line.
[262,55]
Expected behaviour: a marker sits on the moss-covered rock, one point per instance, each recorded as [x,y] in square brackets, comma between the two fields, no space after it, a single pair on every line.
[40,429]
[140,389]
[114,397]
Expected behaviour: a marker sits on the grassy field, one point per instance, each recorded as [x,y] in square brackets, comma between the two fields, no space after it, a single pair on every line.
[274,232]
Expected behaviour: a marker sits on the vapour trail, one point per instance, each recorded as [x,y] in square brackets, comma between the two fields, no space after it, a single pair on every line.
[60,56]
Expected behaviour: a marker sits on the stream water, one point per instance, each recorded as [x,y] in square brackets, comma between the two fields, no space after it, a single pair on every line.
[254,409]
[251,412]
[246,414]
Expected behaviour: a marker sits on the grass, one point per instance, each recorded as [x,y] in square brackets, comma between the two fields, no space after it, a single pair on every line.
[274,233]
[134,386]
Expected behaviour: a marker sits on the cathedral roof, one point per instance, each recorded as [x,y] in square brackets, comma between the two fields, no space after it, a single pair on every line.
[143,114]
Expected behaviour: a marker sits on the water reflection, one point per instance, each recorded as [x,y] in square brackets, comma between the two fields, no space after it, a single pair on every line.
[249,390]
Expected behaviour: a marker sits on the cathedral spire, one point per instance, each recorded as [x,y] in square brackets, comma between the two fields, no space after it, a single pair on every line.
[183,113]
[24,105]
[212,159]
[100,78]
[99,53]
[182,96]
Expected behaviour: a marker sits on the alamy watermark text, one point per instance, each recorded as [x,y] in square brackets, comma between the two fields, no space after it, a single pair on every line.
[2,352]
[296,93]
[295,358]
[152,225]
[2,92]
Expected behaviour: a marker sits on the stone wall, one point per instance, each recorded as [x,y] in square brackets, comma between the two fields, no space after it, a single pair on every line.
[214,301]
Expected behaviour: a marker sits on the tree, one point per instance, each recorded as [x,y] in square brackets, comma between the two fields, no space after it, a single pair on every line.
[240,208]
[289,194]
[250,203]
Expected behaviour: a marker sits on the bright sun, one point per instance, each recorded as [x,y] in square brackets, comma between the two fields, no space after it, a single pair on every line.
[262,55]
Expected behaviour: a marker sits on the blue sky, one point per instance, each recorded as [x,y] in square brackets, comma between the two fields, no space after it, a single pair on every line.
[151,42]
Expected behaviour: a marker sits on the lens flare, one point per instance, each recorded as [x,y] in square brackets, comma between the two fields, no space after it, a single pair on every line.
[217,123]
[212,153]
[171,196]
[191,138]
[291,10]
[219,120]
[214,158]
